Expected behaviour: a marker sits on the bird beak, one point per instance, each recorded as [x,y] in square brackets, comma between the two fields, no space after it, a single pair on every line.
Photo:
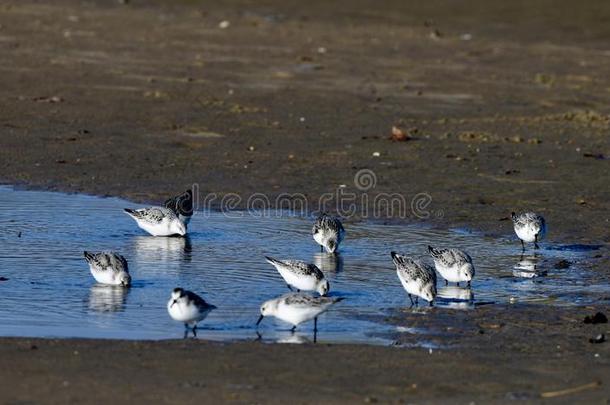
[260,319]
[175,302]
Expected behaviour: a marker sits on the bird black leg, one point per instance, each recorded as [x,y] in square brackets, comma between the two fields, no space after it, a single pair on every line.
[458,283]
[446,283]
[321,249]
[315,323]
[411,298]
[468,285]
[417,301]
[293,329]
[290,288]
[430,303]
[522,246]
[195,331]
[536,242]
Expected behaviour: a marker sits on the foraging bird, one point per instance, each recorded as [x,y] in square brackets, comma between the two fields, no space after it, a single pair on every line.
[453,265]
[301,275]
[529,227]
[416,277]
[108,268]
[296,308]
[328,232]
[182,205]
[158,221]
[188,307]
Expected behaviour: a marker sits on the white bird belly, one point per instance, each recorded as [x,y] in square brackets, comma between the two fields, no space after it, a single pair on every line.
[412,287]
[296,316]
[304,283]
[526,233]
[319,238]
[184,313]
[105,277]
[161,229]
[450,273]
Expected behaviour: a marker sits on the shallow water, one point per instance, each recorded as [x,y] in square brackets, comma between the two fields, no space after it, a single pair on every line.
[50,292]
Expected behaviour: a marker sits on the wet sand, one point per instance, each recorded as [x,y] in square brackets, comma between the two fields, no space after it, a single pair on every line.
[506,107]
[503,355]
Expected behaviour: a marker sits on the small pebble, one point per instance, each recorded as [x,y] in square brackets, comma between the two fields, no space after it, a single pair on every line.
[224,24]
[376,154]
[601,338]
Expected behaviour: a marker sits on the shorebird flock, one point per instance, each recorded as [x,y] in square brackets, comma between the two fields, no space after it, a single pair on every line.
[308,286]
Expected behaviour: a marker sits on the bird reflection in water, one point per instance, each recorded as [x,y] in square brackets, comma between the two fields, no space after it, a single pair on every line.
[454,297]
[107,298]
[164,248]
[328,262]
[529,267]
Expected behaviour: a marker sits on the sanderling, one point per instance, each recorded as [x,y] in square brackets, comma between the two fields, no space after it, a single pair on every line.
[328,232]
[529,227]
[416,277]
[108,268]
[453,265]
[188,307]
[297,307]
[301,275]
[182,205]
[158,221]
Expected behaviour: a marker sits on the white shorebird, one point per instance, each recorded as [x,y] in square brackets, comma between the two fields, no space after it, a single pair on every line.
[453,265]
[417,277]
[529,227]
[182,205]
[158,221]
[189,308]
[301,275]
[328,232]
[108,268]
[296,308]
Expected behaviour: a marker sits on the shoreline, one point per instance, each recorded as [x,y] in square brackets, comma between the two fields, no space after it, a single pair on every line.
[484,229]
[557,362]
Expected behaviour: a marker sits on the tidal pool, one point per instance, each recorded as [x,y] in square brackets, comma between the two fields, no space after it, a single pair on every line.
[49,291]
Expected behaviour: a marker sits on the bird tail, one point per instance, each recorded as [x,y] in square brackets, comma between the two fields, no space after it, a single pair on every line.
[273,261]
[398,259]
[338,299]
[131,213]
[434,252]
[88,256]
